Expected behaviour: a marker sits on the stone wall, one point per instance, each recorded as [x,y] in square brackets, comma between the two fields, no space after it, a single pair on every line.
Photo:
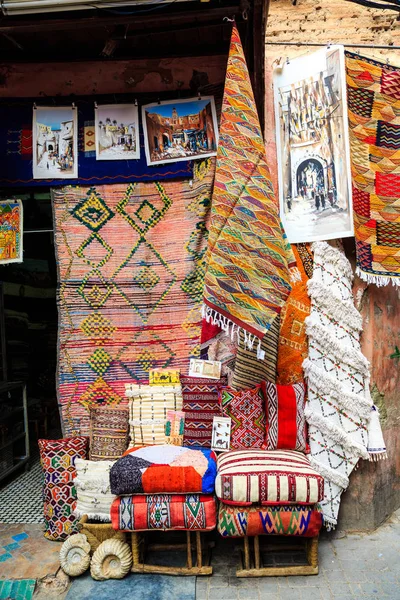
[374,491]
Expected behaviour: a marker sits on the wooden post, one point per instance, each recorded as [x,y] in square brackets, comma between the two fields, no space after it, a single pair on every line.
[246,553]
[257,551]
[312,551]
[189,550]
[198,548]
[135,547]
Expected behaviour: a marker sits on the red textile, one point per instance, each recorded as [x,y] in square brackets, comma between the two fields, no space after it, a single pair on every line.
[200,405]
[247,413]
[286,427]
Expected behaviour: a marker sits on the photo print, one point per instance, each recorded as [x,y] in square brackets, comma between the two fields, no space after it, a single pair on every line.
[313,147]
[55,142]
[117,132]
[180,130]
[221,434]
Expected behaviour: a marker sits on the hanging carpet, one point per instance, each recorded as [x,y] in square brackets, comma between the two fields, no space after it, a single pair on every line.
[247,276]
[373,90]
[131,269]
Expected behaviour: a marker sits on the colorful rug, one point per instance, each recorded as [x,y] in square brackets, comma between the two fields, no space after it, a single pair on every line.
[373,90]
[131,268]
[339,402]
[19,589]
[11,223]
[247,277]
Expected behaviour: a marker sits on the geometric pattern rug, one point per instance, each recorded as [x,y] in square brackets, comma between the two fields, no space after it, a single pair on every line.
[130,279]
[21,500]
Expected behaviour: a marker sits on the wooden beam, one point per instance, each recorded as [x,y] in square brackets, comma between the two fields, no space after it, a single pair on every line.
[260,12]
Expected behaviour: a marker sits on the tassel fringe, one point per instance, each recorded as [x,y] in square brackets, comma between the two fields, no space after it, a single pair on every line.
[378,280]
[295,274]
[235,331]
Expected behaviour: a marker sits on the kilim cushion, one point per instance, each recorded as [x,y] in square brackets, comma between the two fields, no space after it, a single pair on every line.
[59,494]
[247,413]
[164,470]
[108,432]
[286,423]
[267,477]
[164,511]
[200,404]
[148,408]
[289,519]
[92,485]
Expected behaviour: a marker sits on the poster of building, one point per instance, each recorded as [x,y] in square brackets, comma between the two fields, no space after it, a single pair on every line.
[117,132]
[55,142]
[10,231]
[313,146]
[180,130]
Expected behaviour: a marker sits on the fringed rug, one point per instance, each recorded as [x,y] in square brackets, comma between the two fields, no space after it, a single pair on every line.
[131,269]
[339,402]
[374,119]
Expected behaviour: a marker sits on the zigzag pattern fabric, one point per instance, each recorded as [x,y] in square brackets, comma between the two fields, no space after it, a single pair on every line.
[247,276]
[339,402]
[374,120]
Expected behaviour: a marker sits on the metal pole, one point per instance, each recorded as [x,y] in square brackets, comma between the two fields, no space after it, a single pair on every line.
[299,44]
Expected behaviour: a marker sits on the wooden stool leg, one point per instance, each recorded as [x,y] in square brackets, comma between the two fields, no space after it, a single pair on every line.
[312,552]
[135,548]
[198,549]
[257,551]
[189,550]
[246,553]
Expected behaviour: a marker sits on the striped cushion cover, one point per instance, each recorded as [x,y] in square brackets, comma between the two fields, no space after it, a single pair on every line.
[267,477]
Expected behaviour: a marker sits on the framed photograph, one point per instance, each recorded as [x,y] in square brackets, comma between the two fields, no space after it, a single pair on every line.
[55,142]
[117,132]
[180,130]
[208,369]
[221,434]
[313,147]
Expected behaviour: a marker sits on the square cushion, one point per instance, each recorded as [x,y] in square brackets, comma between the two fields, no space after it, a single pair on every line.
[148,408]
[238,521]
[164,470]
[108,432]
[286,423]
[58,458]
[200,405]
[92,483]
[164,512]
[247,412]
[267,477]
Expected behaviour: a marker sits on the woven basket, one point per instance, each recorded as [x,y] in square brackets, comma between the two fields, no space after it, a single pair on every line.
[98,532]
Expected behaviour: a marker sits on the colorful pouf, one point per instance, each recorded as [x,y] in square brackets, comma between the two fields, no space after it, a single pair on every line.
[238,521]
[164,469]
[196,512]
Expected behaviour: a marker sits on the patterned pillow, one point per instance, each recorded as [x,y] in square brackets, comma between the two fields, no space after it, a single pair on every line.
[108,432]
[200,405]
[286,422]
[59,494]
[148,411]
[92,485]
[246,410]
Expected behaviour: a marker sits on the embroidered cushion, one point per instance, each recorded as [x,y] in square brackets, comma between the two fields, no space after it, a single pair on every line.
[238,521]
[164,469]
[92,483]
[164,511]
[148,408]
[58,458]
[286,423]
[108,432]
[200,404]
[247,413]
[267,477]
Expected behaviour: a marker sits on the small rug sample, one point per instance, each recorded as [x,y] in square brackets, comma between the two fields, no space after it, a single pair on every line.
[339,402]
[17,589]
[200,405]
[131,268]
[373,90]
[21,500]
[247,279]
[11,222]
[109,428]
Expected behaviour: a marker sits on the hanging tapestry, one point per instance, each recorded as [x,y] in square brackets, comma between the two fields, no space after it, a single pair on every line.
[339,402]
[374,122]
[131,268]
[247,276]
[11,225]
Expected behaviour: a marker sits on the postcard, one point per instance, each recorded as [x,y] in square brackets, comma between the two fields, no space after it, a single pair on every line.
[221,433]
[210,369]
[117,132]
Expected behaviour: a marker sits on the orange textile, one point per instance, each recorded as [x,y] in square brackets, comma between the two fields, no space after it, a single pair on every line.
[293,344]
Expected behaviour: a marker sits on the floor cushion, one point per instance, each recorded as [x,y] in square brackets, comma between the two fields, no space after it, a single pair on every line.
[286,421]
[108,432]
[246,409]
[238,521]
[267,477]
[164,511]
[200,405]
[92,483]
[164,469]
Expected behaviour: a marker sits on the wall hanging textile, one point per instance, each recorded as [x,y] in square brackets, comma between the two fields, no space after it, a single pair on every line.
[238,521]
[286,422]
[293,345]
[247,276]
[58,458]
[16,150]
[339,402]
[108,432]
[164,469]
[376,443]
[130,271]
[92,484]
[223,349]
[164,511]
[374,119]
[267,477]
[246,409]
[11,228]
